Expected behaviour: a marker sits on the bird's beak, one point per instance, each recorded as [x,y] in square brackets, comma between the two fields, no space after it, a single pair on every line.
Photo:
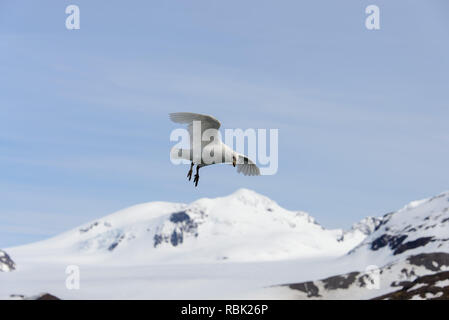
[234,161]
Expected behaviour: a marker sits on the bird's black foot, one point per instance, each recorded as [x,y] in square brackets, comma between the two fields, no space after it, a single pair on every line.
[189,174]
[196,179]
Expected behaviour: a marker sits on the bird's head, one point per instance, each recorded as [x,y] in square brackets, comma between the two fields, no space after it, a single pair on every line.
[234,160]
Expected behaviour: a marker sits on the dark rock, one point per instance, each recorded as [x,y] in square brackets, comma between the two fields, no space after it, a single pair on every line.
[183,225]
[158,239]
[181,216]
[6,263]
[420,242]
[427,288]
[93,225]
[386,217]
[392,241]
[176,238]
[307,287]
[116,242]
[340,282]
[41,296]
[331,283]
[47,296]
[431,261]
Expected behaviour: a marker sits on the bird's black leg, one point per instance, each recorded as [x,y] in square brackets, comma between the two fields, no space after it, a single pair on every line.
[189,174]
[197,176]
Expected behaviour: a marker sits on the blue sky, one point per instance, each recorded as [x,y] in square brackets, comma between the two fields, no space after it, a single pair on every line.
[362,115]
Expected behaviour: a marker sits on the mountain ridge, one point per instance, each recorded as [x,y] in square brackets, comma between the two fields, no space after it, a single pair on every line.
[242,226]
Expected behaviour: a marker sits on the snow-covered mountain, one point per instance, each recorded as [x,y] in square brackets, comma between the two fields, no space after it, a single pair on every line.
[240,246]
[403,247]
[244,226]
[6,263]
[421,226]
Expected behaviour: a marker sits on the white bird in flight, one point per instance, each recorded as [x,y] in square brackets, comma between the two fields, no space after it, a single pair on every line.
[220,152]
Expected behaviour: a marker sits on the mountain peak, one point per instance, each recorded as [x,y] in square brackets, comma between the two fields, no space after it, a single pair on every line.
[239,227]
[243,192]
[251,198]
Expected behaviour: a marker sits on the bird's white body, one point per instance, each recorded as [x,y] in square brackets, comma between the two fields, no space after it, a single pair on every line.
[206,147]
[210,148]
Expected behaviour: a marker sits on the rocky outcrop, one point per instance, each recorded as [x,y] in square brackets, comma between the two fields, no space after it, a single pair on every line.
[40,296]
[430,287]
[179,226]
[6,263]
[419,276]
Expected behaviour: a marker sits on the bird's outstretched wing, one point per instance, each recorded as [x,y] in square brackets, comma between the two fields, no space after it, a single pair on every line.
[207,122]
[246,166]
